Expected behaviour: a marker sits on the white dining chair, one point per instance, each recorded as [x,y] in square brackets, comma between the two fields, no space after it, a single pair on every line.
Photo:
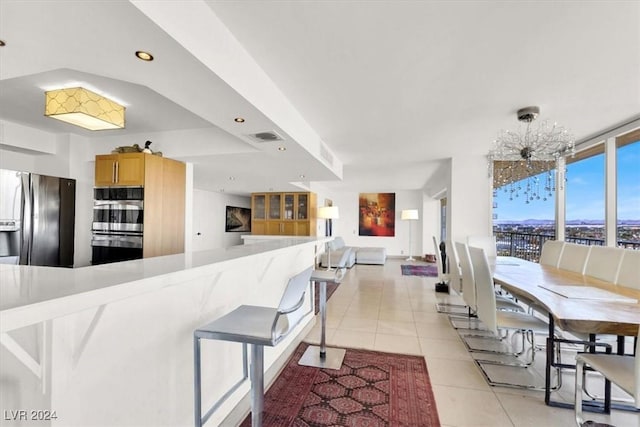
[604,263]
[454,304]
[488,243]
[622,370]
[455,275]
[551,252]
[469,290]
[629,272]
[525,324]
[468,274]
[468,282]
[574,257]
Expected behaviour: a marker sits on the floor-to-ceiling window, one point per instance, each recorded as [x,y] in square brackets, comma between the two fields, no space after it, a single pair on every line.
[521,222]
[628,190]
[585,197]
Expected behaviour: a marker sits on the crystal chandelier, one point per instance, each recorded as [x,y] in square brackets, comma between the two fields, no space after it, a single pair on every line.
[523,162]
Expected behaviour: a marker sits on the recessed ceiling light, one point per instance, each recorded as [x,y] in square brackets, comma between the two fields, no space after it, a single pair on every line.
[301,175]
[2,43]
[238,120]
[282,148]
[145,56]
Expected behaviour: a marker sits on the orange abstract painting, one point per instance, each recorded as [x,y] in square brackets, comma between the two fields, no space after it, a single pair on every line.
[377,214]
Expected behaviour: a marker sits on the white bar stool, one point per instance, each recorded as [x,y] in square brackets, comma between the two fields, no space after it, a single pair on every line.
[258,326]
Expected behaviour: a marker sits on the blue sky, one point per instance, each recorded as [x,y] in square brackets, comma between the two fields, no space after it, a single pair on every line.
[585,191]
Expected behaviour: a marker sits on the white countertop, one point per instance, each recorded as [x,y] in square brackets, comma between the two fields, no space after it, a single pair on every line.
[55,292]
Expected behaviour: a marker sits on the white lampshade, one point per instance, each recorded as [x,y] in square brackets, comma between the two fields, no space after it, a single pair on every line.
[328,212]
[409,214]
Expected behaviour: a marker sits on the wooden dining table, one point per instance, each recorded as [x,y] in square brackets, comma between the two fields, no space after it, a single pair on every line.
[597,307]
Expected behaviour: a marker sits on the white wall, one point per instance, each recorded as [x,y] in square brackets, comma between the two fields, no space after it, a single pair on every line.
[209,209]
[347,225]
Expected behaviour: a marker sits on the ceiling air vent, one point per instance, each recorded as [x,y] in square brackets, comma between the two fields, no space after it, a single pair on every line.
[266,136]
[326,154]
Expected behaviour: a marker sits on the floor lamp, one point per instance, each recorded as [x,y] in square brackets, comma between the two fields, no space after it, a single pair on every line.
[409,215]
[328,212]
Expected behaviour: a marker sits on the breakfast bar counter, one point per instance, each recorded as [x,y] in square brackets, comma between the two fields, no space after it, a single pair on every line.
[112,344]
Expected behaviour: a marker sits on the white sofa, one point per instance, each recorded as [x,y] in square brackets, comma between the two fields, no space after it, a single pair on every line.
[337,249]
[368,255]
[371,256]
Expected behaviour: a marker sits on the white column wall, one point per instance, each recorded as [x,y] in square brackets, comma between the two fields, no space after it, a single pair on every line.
[469,198]
[467,186]
[431,223]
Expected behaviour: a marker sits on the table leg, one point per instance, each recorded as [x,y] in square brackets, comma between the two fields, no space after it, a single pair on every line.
[550,355]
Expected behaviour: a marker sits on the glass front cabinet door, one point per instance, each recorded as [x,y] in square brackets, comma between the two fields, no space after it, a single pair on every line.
[285,214]
[302,208]
[275,208]
[259,207]
[289,203]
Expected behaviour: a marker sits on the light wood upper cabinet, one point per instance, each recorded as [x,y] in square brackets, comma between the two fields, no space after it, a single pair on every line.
[287,214]
[120,169]
[105,170]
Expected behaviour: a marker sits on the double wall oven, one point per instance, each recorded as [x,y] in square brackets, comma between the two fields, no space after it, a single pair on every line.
[118,218]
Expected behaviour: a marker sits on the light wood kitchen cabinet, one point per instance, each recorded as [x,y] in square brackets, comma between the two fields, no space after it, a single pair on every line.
[164,182]
[164,198]
[287,214]
[120,169]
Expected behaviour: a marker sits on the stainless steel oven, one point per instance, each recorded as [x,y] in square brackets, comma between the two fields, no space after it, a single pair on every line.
[118,193]
[118,221]
[118,215]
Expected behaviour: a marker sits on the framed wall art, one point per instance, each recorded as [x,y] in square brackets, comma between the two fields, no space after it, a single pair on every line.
[237,219]
[377,214]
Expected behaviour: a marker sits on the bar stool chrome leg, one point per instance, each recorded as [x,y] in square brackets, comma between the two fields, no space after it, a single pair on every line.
[322,357]
[323,319]
[257,384]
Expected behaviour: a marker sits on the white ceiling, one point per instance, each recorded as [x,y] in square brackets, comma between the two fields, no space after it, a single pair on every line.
[392,88]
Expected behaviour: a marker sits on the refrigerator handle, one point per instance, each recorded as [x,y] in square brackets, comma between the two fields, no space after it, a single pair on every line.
[27,220]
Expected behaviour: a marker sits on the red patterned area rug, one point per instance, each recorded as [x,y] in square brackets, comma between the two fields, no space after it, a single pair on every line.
[372,389]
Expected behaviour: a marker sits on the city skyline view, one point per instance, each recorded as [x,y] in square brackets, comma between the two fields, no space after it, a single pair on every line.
[585,192]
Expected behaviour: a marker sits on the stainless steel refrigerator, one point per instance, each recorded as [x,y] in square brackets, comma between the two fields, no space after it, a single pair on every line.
[37,218]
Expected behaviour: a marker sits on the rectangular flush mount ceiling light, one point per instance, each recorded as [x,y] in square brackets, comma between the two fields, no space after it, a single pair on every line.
[84,108]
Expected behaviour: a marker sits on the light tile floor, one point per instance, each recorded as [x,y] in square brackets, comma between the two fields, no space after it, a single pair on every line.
[377,308]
